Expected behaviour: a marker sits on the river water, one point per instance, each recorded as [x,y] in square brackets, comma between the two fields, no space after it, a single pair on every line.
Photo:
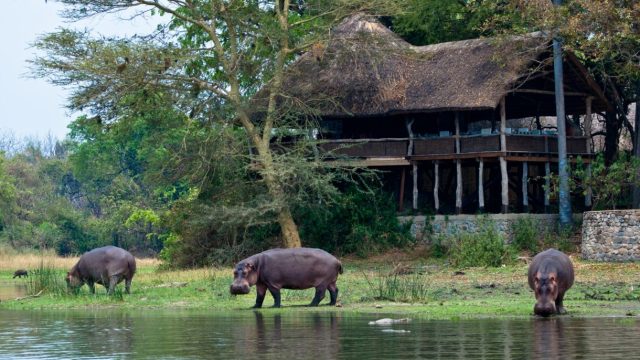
[161,334]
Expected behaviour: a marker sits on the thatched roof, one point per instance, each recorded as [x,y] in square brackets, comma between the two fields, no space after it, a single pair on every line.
[367,70]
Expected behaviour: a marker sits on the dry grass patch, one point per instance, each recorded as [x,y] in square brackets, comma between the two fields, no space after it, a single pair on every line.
[31,261]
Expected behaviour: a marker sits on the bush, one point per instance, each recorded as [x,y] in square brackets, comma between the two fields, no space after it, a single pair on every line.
[359,222]
[525,235]
[484,248]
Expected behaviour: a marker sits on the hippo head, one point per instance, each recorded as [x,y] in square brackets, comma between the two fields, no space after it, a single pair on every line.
[244,276]
[73,281]
[546,290]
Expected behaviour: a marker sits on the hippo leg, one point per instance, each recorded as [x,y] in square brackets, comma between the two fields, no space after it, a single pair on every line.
[113,281]
[333,293]
[92,287]
[127,285]
[320,292]
[276,297]
[261,291]
[559,308]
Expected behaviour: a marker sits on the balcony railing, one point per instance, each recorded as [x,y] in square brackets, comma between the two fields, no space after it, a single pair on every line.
[399,147]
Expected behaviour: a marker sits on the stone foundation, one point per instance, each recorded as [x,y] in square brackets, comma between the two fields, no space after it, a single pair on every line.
[611,235]
[454,224]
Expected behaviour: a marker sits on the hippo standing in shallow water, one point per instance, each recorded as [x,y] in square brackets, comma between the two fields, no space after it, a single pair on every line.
[20,273]
[550,276]
[107,266]
[298,268]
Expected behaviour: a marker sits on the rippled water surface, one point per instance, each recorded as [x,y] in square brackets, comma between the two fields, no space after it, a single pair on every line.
[302,335]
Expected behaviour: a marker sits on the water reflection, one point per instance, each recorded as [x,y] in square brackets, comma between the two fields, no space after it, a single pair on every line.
[302,335]
[11,289]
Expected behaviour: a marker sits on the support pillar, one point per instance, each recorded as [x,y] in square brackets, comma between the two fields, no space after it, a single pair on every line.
[458,167]
[481,186]
[415,186]
[547,187]
[436,185]
[401,198]
[587,132]
[525,187]
[504,183]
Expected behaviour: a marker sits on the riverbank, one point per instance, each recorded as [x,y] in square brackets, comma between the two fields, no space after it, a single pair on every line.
[393,284]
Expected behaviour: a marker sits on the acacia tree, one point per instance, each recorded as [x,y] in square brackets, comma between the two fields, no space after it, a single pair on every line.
[212,56]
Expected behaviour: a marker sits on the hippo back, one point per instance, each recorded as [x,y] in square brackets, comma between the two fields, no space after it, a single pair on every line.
[297,268]
[102,263]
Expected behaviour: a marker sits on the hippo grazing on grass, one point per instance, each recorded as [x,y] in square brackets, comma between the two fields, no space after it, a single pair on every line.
[20,273]
[107,266]
[298,268]
[550,276]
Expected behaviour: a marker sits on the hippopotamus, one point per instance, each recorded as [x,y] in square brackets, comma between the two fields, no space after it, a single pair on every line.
[550,276]
[20,273]
[107,266]
[297,268]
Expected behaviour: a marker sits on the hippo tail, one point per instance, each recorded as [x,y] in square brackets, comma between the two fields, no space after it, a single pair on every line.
[340,270]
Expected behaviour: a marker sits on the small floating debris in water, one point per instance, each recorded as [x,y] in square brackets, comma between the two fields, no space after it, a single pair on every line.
[387,321]
[378,306]
[400,331]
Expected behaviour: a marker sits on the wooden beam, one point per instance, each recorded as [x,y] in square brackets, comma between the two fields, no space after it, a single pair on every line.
[547,92]
[503,162]
[481,185]
[436,185]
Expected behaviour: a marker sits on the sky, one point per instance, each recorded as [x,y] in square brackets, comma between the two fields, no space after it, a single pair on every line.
[33,107]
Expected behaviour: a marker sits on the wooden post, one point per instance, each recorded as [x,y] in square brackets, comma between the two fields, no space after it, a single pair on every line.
[525,186]
[503,161]
[401,199]
[436,185]
[481,186]
[409,124]
[458,187]
[547,185]
[458,166]
[587,132]
[415,186]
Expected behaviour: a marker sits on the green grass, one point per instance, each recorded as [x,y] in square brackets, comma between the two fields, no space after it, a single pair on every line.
[430,290]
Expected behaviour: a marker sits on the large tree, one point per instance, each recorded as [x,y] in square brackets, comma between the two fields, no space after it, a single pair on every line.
[211,56]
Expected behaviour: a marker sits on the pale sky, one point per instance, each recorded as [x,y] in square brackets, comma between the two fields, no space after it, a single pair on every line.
[33,107]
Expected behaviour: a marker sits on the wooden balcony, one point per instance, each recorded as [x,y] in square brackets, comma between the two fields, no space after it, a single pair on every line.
[445,147]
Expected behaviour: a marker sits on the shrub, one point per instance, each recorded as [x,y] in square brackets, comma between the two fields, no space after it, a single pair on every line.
[358,222]
[525,235]
[484,248]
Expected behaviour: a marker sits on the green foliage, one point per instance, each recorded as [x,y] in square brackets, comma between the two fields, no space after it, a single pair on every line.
[427,22]
[358,222]
[483,248]
[525,235]
[611,184]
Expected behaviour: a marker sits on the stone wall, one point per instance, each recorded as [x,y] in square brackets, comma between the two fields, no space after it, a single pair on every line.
[452,224]
[611,235]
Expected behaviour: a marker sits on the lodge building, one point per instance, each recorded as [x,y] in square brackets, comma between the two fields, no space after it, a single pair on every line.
[455,127]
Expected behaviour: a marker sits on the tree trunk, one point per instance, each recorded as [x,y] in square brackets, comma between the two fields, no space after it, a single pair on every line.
[288,227]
